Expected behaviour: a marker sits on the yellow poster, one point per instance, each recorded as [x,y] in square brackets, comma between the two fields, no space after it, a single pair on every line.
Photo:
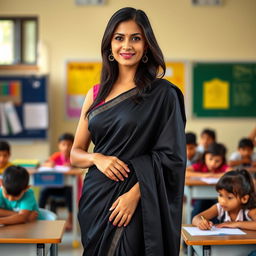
[175,73]
[81,76]
[216,94]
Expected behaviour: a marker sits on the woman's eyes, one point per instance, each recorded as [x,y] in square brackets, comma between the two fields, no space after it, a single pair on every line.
[136,38]
[120,38]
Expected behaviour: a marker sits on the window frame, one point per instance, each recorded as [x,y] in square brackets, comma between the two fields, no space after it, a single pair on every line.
[19,34]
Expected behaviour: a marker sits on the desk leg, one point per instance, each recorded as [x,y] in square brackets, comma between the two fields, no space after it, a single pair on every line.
[75,242]
[188,203]
[54,250]
[188,212]
[40,250]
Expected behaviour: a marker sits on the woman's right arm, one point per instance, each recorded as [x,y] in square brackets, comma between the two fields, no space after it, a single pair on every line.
[79,153]
[111,166]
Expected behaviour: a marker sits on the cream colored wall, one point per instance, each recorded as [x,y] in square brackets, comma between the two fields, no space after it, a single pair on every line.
[184,32]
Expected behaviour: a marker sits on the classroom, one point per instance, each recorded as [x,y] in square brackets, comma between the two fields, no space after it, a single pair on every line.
[192,34]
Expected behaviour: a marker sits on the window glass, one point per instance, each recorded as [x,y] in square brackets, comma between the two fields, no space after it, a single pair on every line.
[7,42]
[29,42]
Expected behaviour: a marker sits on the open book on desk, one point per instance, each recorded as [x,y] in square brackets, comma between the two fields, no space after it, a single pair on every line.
[57,168]
[195,231]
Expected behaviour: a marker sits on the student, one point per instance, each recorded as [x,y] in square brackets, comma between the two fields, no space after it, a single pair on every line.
[193,155]
[65,143]
[17,201]
[213,164]
[5,153]
[236,207]
[62,157]
[244,156]
[207,137]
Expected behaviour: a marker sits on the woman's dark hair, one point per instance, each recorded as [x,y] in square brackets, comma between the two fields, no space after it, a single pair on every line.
[15,179]
[216,149]
[146,72]
[239,183]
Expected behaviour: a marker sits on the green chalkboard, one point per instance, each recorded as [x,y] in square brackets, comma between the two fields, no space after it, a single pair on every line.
[224,89]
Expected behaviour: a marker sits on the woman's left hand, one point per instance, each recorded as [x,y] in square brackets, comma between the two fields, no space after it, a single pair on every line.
[124,208]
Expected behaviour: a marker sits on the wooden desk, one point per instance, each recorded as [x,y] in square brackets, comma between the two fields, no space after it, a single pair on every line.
[232,245]
[70,178]
[197,189]
[34,238]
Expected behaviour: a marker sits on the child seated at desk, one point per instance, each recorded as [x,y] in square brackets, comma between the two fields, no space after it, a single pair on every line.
[213,164]
[5,153]
[236,207]
[193,155]
[244,156]
[207,137]
[17,201]
[65,143]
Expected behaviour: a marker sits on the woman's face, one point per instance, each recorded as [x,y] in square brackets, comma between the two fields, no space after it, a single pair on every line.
[128,44]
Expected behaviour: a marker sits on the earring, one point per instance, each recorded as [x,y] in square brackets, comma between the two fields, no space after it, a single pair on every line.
[111,57]
[145,59]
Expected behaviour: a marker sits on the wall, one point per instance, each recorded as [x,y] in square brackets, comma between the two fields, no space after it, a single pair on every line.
[184,32]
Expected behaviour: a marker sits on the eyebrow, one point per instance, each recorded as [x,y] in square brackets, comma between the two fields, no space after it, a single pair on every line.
[134,34]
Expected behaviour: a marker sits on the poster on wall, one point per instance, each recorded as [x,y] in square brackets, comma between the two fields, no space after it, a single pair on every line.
[81,76]
[175,73]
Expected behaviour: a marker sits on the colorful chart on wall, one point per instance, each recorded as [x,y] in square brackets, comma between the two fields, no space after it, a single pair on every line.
[81,76]
[224,89]
[175,73]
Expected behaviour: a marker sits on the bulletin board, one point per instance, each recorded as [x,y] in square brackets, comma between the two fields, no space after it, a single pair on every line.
[23,107]
[224,89]
[81,76]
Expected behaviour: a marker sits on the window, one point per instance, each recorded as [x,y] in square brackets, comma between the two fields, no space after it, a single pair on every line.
[18,40]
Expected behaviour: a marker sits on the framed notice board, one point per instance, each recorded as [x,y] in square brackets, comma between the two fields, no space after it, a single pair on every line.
[224,89]
[23,107]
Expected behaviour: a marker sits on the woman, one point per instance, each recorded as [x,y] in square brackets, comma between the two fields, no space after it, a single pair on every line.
[132,195]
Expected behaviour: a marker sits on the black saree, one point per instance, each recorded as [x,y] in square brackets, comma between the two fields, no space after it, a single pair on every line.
[149,136]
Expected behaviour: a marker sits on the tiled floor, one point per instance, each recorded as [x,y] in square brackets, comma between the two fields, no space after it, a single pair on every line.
[65,248]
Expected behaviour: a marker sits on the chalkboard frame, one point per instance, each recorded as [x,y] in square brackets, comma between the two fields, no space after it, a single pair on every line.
[203,72]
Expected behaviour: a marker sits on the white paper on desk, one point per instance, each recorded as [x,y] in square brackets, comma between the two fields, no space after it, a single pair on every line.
[57,168]
[3,121]
[61,168]
[210,180]
[45,169]
[35,115]
[12,117]
[195,231]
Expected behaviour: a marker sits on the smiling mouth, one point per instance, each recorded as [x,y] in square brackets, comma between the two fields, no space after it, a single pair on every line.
[127,55]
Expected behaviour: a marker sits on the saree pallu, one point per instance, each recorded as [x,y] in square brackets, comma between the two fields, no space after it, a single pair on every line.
[149,136]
